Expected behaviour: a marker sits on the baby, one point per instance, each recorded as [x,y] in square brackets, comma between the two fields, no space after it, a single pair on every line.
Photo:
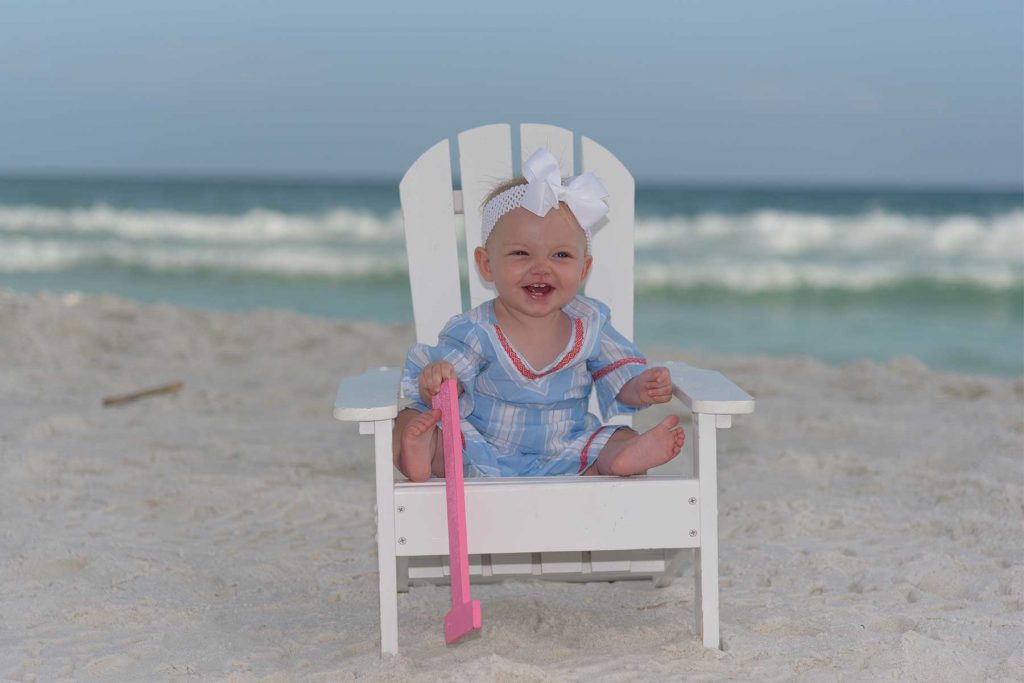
[526,361]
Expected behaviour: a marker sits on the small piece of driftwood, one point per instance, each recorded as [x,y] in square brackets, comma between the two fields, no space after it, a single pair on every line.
[145,393]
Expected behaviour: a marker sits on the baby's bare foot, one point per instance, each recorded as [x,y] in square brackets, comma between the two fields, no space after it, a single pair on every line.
[652,448]
[418,445]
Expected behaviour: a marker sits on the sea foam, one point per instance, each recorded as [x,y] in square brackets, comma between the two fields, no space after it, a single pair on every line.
[254,226]
[762,250]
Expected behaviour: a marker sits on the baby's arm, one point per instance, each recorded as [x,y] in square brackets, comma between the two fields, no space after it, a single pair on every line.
[653,385]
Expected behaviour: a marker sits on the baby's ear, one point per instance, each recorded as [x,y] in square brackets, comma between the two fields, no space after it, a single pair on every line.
[483,264]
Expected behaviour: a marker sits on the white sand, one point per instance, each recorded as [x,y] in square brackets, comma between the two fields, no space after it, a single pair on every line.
[871,520]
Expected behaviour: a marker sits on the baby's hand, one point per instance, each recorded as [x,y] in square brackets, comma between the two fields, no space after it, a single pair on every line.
[653,385]
[431,377]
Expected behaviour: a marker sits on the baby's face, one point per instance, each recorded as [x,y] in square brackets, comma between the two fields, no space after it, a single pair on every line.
[536,263]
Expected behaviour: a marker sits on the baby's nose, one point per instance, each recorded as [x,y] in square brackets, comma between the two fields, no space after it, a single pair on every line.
[540,266]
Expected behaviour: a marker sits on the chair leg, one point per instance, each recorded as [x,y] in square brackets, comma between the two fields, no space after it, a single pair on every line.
[386,557]
[705,564]
[706,589]
[403,575]
[673,566]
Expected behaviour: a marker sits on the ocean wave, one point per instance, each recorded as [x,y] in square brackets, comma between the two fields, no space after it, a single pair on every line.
[738,277]
[764,250]
[781,276]
[49,256]
[997,238]
[253,227]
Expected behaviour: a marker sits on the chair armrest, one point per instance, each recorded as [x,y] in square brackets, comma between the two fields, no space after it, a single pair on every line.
[370,396]
[708,391]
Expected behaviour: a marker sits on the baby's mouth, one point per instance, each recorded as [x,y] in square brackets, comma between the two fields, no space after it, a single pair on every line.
[538,290]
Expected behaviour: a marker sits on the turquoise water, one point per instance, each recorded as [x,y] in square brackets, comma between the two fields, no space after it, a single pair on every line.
[836,274]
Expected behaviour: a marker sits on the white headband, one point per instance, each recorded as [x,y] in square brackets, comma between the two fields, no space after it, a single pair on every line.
[544,189]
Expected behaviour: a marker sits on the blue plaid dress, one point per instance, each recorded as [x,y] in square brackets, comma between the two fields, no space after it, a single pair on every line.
[522,422]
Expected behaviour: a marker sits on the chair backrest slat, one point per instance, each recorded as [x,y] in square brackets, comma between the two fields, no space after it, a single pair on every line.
[558,141]
[485,159]
[611,278]
[429,217]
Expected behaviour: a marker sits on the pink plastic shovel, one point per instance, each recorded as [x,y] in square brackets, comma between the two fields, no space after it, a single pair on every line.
[464,617]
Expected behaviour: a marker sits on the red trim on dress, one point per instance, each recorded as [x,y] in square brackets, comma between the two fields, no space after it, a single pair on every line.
[611,367]
[586,448]
[566,359]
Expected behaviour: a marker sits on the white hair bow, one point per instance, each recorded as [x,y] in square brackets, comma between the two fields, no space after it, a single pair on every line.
[584,194]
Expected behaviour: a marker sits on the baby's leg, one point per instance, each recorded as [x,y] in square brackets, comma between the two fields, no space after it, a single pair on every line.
[416,445]
[629,453]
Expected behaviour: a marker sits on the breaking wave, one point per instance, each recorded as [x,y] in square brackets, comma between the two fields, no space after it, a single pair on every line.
[757,251]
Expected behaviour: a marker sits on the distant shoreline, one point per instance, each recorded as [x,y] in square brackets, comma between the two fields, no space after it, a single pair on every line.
[655,348]
[186,176]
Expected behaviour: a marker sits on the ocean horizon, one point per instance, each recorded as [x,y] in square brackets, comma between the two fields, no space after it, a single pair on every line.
[837,273]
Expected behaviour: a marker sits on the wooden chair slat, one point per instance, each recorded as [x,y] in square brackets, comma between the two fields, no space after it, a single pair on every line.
[485,159]
[611,279]
[558,141]
[429,215]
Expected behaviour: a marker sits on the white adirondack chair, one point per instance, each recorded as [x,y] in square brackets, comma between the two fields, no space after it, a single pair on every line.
[522,526]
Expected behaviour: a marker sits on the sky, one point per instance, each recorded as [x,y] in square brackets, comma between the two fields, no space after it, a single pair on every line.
[842,92]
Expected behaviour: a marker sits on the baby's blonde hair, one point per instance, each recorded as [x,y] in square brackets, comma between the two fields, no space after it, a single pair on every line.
[501,187]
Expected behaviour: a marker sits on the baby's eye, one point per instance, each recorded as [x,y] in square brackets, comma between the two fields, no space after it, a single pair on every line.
[519,252]
[563,254]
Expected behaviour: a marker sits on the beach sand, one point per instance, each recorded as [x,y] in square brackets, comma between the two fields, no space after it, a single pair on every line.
[871,520]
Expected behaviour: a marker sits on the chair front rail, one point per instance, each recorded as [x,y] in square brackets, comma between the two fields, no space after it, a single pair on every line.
[515,516]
